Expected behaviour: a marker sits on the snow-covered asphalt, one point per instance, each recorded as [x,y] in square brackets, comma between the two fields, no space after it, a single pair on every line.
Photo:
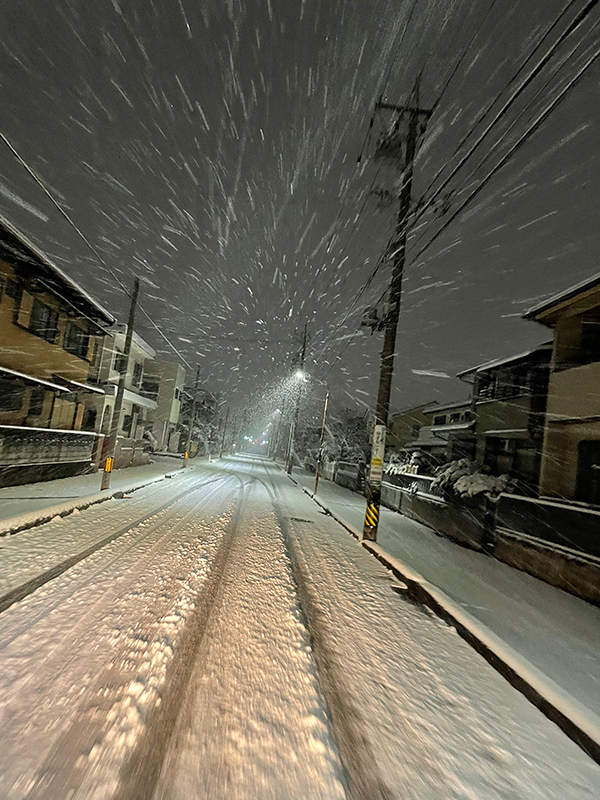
[232,641]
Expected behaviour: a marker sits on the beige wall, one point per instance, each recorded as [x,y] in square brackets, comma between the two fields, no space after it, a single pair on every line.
[560,456]
[25,352]
[572,393]
[575,392]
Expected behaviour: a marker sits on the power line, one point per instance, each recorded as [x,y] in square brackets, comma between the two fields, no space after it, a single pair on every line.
[516,146]
[583,13]
[93,249]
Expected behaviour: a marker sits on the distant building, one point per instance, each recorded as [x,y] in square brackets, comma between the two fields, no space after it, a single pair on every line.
[164,383]
[51,333]
[448,434]
[571,449]
[136,406]
[404,426]
[509,404]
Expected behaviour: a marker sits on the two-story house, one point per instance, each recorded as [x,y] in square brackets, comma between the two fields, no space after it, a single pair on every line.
[571,448]
[509,403]
[164,382]
[404,426]
[447,434]
[136,405]
[51,331]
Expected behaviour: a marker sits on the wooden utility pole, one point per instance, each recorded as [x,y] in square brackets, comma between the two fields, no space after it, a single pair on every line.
[403,146]
[123,366]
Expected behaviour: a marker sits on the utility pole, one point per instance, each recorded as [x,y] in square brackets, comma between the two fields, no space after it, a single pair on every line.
[395,144]
[320,453]
[123,363]
[193,413]
[294,422]
[224,432]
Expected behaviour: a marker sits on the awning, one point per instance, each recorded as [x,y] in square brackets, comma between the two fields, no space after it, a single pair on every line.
[459,426]
[31,379]
[86,387]
[139,400]
[509,433]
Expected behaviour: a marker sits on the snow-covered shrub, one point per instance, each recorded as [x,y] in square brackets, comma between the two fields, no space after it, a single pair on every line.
[462,479]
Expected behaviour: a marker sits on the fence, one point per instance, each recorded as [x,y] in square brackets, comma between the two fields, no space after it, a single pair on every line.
[350,475]
[565,525]
[35,454]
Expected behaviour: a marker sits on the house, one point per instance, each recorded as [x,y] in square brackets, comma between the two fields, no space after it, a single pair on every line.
[164,383]
[570,463]
[51,333]
[509,403]
[447,434]
[404,426]
[136,406]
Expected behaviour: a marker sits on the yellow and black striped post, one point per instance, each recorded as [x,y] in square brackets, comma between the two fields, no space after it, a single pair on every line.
[373,491]
[372,515]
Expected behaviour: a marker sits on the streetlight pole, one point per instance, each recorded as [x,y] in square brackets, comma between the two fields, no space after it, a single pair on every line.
[320,454]
[118,407]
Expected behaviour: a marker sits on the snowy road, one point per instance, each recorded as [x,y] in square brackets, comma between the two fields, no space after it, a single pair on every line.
[237,643]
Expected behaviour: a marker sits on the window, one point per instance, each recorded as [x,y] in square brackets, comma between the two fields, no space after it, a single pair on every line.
[11,395]
[137,373]
[590,342]
[36,401]
[76,340]
[454,418]
[43,321]
[415,431]
[12,290]
[150,389]
[485,386]
[120,362]
[441,420]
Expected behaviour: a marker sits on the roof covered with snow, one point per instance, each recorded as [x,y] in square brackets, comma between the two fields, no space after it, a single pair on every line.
[501,362]
[18,251]
[557,299]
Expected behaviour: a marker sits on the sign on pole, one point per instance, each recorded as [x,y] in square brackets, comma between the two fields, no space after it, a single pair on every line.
[377,454]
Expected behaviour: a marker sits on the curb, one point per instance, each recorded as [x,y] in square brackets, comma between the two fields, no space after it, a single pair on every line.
[569,714]
[33,519]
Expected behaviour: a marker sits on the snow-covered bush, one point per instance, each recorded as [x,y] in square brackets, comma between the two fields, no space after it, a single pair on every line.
[462,479]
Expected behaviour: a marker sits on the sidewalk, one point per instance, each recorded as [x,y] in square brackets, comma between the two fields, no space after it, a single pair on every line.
[557,633]
[17,501]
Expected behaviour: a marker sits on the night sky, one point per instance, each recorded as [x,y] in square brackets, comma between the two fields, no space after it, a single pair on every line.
[211,146]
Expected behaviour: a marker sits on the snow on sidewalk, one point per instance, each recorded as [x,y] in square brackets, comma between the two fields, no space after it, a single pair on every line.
[440,720]
[559,634]
[31,497]
[32,552]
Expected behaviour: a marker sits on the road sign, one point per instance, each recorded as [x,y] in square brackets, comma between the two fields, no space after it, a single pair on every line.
[377,454]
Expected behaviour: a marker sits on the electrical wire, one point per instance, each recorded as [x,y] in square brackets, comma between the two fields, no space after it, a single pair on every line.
[80,233]
[583,13]
[515,147]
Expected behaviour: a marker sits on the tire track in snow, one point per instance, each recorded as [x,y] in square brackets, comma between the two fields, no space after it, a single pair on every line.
[61,773]
[362,777]
[140,774]
[27,588]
